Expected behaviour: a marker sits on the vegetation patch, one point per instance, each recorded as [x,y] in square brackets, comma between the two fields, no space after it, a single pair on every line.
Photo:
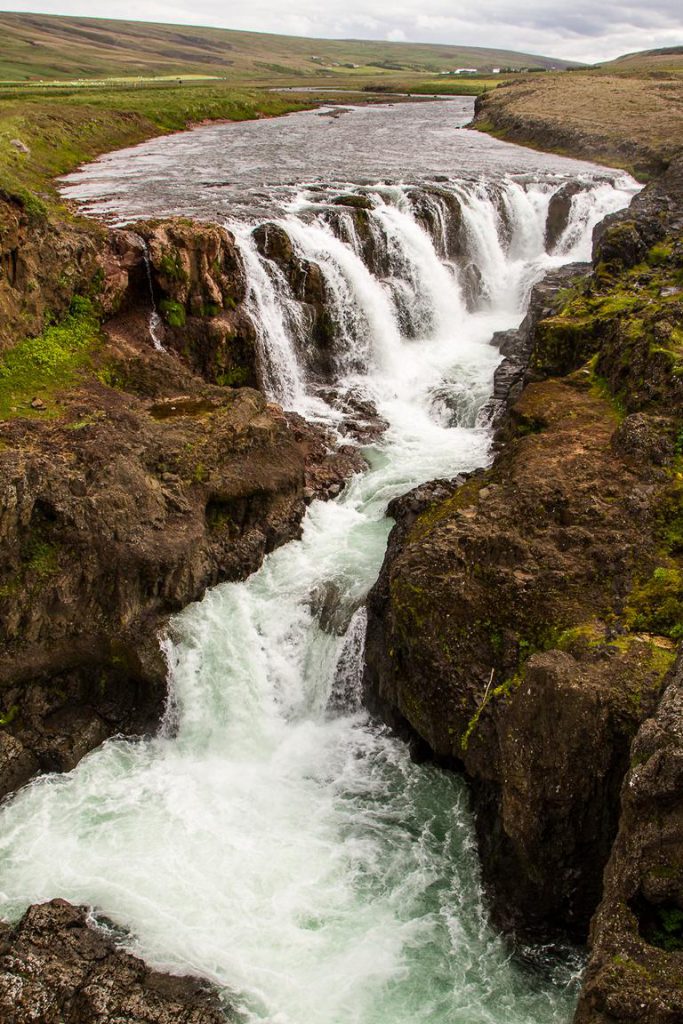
[173,312]
[657,605]
[37,368]
[235,377]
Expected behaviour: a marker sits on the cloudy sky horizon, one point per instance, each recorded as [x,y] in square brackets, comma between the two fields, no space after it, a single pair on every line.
[583,30]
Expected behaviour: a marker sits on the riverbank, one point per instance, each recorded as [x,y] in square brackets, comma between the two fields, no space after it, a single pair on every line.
[525,629]
[629,120]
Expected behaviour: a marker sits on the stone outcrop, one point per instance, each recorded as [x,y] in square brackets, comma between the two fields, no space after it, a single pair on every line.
[494,634]
[199,285]
[113,518]
[57,969]
[43,263]
[636,967]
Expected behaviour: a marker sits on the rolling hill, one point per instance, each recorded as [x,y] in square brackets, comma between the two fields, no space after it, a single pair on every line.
[39,46]
[668,59]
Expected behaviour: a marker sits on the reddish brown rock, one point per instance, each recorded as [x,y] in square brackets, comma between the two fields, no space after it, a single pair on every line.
[635,973]
[538,554]
[56,969]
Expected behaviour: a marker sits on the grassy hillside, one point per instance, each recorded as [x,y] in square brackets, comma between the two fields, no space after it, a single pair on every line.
[668,60]
[39,46]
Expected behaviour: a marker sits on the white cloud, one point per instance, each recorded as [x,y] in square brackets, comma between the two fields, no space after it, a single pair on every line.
[583,30]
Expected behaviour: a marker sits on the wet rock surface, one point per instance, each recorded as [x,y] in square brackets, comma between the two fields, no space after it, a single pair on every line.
[517,346]
[57,969]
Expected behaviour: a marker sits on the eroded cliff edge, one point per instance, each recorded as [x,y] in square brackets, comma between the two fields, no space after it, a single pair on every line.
[526,621]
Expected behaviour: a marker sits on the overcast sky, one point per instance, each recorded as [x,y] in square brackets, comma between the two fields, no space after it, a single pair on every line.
[588,30]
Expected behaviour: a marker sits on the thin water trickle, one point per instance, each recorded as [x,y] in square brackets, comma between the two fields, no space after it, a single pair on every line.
[272,837]
[155,322]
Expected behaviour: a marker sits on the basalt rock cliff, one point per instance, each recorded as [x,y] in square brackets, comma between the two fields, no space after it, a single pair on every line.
[526,621]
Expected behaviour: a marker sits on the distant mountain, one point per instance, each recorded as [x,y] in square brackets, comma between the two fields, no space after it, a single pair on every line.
[40,46]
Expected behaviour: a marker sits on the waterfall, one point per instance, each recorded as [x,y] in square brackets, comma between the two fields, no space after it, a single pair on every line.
[277,319]
[154,321]
[277,841]
[411,277]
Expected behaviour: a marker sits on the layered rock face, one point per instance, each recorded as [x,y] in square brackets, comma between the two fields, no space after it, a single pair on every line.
[493,633]
[42,265]
[56,969]
[527,618]
[636,967]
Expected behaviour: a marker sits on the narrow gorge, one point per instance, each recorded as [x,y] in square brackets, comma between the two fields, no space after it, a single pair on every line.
[373,766]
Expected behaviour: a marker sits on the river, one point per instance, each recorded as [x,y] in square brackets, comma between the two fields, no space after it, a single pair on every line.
[272,837]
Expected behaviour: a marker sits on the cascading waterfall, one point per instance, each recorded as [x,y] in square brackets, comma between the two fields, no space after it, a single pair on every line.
[278,320]
[272,837]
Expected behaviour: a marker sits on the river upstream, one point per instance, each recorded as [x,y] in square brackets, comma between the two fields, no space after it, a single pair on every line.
[273,838]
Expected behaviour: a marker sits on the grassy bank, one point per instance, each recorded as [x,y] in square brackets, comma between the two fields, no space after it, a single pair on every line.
[632,121]
[64,128]
[448,86]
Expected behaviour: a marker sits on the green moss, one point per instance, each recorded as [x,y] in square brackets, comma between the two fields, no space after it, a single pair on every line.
[200,473]
[9,716]
[600,389]
[631,966]
[36,210]
[171,266]
[210,309]
[235,377]
[503,690]
[41,366]
[670,512]
[659,254]
[657,605]
[667,928]
[40,557]
[219,519]
[465,496]
[172,312]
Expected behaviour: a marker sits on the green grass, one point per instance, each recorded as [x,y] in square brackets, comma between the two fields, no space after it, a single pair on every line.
[453,86]
[657,605]
[42,366]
